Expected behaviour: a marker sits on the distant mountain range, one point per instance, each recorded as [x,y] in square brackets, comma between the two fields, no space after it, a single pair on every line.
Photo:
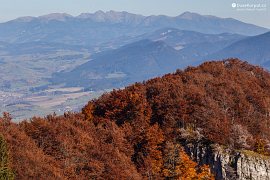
[99,27]
[126,47]
[107,50]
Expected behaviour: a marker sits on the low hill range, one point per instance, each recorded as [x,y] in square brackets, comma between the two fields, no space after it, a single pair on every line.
[163,52]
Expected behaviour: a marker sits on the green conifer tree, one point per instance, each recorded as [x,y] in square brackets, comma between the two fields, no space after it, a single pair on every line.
[5,172]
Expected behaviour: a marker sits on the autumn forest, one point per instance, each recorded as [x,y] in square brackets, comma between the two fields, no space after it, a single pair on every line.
[140,132]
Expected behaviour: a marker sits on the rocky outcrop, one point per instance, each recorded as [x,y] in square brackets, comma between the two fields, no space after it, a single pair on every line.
[230,164]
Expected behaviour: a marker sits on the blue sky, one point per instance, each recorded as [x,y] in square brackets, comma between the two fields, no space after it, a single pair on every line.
[11,9]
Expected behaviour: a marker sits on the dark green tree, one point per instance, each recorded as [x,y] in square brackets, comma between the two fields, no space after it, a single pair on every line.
[5,172]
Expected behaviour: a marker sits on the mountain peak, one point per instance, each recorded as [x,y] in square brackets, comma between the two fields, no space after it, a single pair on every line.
[189,15]
[96,15]
[24,19]
[55,16]
[111,16]
[99,12]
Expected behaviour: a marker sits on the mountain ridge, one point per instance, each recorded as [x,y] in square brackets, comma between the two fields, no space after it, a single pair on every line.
[146,56]
[255,50]
[100,27]
[111,13]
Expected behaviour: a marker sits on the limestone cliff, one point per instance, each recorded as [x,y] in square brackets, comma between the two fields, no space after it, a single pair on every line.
[230,164]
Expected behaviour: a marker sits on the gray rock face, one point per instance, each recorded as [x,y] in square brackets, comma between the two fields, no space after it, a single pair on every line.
[229,165]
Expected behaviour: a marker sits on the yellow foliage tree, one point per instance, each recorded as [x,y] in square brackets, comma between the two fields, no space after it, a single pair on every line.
[154,138]
[178,165]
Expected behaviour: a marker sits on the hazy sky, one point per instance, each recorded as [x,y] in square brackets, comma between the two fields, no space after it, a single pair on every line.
[11,9]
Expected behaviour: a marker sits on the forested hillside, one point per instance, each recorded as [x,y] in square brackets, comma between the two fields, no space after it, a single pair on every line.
[137,132]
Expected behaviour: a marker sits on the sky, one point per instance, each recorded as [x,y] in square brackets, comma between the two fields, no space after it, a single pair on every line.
[260,15]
